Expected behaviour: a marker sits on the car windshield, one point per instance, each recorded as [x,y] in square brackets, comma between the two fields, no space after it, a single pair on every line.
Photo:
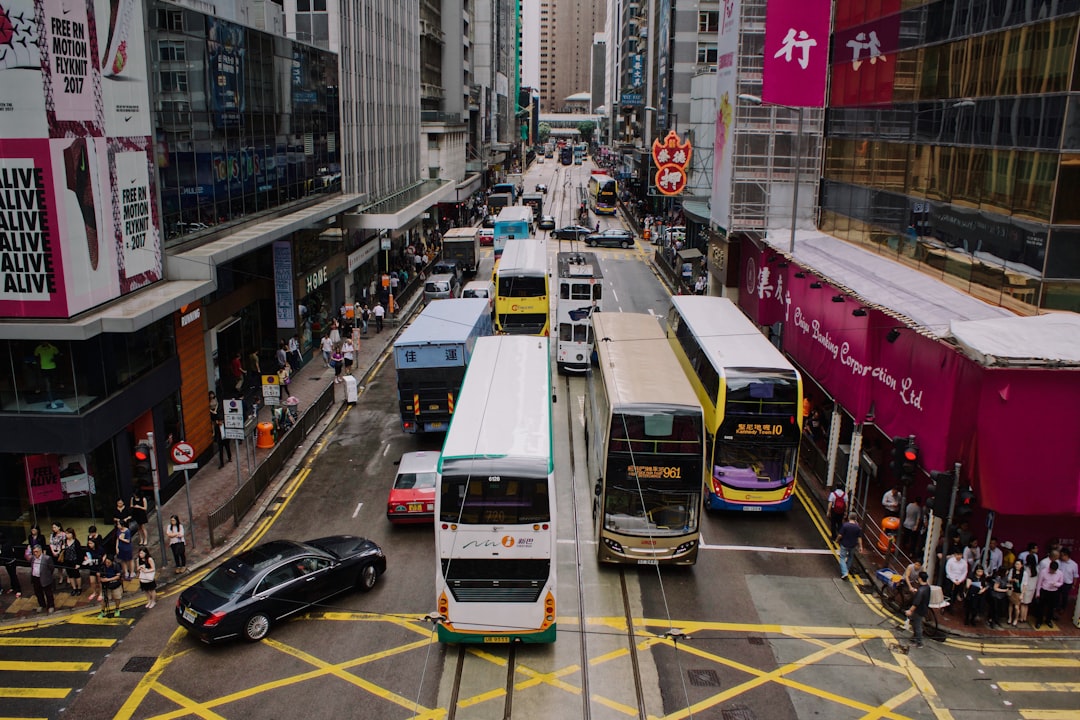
[229,579]
[415,481]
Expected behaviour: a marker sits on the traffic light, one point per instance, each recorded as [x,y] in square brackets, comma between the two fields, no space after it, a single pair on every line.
[141,465]
[905,459]
[965,503]
[939,491]
[897,465]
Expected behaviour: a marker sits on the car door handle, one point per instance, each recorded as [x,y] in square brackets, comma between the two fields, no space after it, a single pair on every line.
[309,578]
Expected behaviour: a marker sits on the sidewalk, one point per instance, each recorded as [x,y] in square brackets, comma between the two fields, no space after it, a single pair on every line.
[212,486]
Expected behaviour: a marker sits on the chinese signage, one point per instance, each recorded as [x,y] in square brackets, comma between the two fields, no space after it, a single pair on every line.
[283,285]
[672,160]
[864,44]
[637,70]
[796,52]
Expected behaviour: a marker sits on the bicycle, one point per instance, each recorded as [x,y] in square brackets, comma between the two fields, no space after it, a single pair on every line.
[896,597]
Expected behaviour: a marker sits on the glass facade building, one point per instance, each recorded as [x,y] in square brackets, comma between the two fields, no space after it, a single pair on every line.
[951,144]
[246,121]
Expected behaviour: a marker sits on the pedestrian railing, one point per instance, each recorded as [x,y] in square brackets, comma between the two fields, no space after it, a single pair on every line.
[247,495]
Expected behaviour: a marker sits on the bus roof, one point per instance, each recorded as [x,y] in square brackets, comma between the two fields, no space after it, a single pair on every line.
[504,407]
[579,265]
[445,321]
[523,258]
[638,365]
[460,232]
[515,213]
[729,337]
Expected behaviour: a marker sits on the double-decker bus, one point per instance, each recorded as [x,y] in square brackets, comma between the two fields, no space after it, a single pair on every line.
[512,223]
[495,502]
[579,153]
[752,399]
[603,193]
[566,155]
[580,293]
[521,289]
[646,445]
[431,356]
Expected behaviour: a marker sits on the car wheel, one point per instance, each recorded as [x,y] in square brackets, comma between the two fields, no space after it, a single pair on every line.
[590,243]
[256,627]
[624,244]
[366,580]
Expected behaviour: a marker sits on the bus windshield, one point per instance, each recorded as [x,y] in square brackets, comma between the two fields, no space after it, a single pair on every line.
[632,512]
[760,466]
[522,286]
[760,392]
[504,500]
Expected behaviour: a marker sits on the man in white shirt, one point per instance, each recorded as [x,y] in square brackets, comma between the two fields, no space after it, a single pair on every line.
[1070,571]
[891,501]
[379,312]
[956,572]
[993,557]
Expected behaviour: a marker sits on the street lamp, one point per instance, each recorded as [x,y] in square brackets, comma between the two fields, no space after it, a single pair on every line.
[648,126]
[755,100]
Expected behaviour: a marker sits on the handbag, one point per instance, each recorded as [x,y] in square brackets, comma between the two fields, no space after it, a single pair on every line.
[29,554]
[60,558]
[133,526]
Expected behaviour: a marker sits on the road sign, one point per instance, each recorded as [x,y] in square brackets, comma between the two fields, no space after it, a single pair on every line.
[271,389]
[182,453]
[185,466]
[234,416]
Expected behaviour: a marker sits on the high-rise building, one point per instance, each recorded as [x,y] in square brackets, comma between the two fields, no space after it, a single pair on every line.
[566,40]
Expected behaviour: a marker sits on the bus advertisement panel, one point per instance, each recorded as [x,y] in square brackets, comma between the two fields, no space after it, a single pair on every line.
[752,400]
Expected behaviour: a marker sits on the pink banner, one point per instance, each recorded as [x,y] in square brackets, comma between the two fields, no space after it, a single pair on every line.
[796,52]
[43,479]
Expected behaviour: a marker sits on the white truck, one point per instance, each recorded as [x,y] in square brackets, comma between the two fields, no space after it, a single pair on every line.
[462,244]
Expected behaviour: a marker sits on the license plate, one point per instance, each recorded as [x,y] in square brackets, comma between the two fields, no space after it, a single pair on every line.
[497,639]
[416,507]
[435,425]
[190,615]
[648,562]
[752,508]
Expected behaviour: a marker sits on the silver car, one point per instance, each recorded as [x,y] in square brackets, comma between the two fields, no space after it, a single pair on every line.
[440,287]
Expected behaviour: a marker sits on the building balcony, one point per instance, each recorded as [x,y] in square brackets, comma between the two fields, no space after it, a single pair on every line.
[430,117]
[429,29]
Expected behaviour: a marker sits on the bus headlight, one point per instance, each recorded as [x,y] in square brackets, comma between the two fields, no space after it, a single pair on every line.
[613,546]
[685,547]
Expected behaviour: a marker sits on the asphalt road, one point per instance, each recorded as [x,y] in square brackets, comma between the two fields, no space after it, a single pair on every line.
[761,627]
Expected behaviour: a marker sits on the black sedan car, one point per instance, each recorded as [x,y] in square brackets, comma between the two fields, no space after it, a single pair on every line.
[615,237]
[541,188]
[547,222]
[571,232]
[248,593]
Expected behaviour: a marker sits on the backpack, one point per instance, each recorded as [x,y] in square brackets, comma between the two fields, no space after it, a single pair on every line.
[839,504]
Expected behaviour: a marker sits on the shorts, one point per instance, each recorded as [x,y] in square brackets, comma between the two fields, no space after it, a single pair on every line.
[348,363]
[147,585]
[115,593]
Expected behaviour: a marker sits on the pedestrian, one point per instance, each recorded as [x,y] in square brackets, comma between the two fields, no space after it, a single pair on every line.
[327,348]
[177,543]
[978,585]
[972,555]
[296,358]
[91,563]
[224,449]
[147,571]
[348,354]
[891,502]
[139,509]
[10,560]
[1015,578]
[849,539]
[912,520]
[999,598]
[336,362]
[365,315]
[112,585]
[920,606]
[1028,585]
[1008,557]
[994,557]
[837,504]
[379,312]
[123,550]
[956,575]
[41,577]
[71,561]
[335,333]
[282,355]
[1032,549]
[56,550]
[254,369]
[1069,571]
[236,368]
[1046,594]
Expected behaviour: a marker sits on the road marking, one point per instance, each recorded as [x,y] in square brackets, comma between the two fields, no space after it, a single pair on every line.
[42,666]
[357,510]
[1049,714]
[1031,662]
[25,693]
[56,642]
[762,548]
[1069,687]
[923,684]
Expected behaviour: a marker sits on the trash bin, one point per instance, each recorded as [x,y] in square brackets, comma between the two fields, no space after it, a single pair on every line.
[265,435]
[890,526]
[350,389]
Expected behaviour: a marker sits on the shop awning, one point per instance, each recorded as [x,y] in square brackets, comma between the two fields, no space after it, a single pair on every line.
[696,210]
[689,254]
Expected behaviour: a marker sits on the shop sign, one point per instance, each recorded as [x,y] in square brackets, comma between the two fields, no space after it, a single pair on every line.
[43,479]
[190,316]
[672,160]
[314,280]
[284,302]
[362,255]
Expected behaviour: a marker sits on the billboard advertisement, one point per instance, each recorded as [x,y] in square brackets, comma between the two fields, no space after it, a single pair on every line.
[796,52]
[225,44]
[78,226]
[726,91]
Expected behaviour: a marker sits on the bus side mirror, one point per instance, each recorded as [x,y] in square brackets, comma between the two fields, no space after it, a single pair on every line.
[597,489]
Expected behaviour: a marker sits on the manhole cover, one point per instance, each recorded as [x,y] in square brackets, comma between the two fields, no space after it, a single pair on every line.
[704,678]
[139,664]
[738,713]
[755,640]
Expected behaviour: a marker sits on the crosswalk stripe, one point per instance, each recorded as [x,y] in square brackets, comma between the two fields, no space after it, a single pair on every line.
[1050,715]
[27,666]
[1030,662]
[25,693]
[1039,686]
[56,642]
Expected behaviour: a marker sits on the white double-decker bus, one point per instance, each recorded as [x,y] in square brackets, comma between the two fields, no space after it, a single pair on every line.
[495,502]
[580,294]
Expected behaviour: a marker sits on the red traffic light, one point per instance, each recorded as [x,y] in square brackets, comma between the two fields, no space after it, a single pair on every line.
[911,453]
[142,452]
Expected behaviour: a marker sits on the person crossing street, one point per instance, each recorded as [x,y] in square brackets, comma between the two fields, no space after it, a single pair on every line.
[920,606]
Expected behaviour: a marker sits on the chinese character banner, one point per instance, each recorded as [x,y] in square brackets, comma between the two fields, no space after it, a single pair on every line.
[796,52]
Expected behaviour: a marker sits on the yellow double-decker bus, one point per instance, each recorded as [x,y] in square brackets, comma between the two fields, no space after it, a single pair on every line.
[521,289]
[752,400]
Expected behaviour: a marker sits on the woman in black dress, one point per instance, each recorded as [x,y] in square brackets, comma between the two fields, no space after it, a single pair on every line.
[138,514]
